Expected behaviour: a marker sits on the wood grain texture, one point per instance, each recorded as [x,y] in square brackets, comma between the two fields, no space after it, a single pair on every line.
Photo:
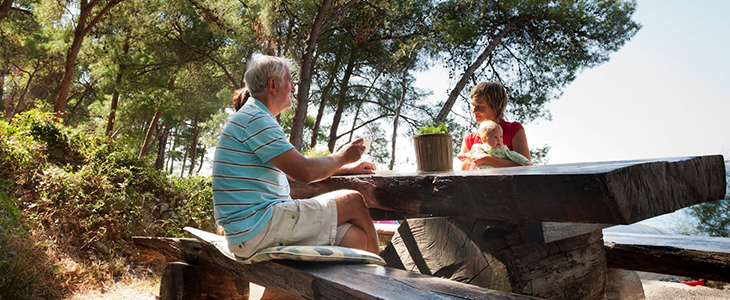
[496,256]
[311,280]
[690,256]
[620,192]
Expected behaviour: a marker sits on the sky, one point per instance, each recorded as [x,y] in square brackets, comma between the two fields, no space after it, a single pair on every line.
[665,93]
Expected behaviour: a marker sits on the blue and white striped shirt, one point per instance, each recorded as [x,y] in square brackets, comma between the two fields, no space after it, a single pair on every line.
[245,184]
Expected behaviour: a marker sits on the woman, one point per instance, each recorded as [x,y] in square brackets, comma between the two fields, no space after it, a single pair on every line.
[488,101]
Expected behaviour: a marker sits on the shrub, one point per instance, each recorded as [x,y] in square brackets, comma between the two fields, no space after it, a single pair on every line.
[23,265]
[83,197]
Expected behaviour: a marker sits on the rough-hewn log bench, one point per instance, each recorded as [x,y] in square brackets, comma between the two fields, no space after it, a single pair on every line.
[202,272]
[690,256]
[529,230]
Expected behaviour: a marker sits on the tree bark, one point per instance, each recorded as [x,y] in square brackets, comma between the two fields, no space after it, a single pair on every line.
[115,94]
[404,89]
[2,89]
[323,105]
[446,109]
[16,109]
[160,161]
[341,99]
[82,29]
[305,77]
[150,132]
[171,160]
[194,146]
[5,7]
[202,160]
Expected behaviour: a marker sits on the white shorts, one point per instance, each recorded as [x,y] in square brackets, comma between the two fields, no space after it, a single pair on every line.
[311,222]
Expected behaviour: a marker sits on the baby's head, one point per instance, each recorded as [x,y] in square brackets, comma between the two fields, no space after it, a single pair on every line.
[491,133]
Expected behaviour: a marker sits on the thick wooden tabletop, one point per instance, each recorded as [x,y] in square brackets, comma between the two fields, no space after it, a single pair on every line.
[617,192]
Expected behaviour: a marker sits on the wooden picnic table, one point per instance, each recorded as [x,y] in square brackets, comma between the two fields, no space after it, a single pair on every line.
[528,230]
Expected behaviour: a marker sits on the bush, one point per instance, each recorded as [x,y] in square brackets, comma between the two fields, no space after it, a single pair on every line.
[23,265]
[83,197]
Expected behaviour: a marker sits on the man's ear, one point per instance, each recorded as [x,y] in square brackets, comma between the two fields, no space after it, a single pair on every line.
[271,83]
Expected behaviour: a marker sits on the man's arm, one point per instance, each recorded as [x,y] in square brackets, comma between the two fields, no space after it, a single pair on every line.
[307,170]
[363,167]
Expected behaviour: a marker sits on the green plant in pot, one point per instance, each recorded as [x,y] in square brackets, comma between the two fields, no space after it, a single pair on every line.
[434,148]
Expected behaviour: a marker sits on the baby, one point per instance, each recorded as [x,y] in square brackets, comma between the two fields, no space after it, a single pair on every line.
[491,135]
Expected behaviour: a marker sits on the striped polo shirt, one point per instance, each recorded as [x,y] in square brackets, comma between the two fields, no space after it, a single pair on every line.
[245,184]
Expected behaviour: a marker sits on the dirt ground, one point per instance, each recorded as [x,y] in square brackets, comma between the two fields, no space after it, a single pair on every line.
[654,290]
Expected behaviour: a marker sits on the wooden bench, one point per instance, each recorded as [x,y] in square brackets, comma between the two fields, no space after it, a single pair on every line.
[534,231]
[199,271]
[689,256]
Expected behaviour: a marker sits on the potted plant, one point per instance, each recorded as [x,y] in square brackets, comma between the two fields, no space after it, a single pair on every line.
[434,148]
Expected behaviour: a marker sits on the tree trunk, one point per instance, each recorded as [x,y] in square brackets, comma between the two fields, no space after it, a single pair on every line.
[16,109]
[5,7]
[184,160]
[341,102]
[82,29]
[404,89]
[354,121]
[171,160]
[323,104]
[446,109]
[202,160]
[305,77]
[115,94]
[161,148]
[194,146]
[150,131]
[2,89]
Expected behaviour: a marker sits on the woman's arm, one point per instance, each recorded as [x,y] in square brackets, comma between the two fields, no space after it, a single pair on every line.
[495,162]
[519,144]
[464,150]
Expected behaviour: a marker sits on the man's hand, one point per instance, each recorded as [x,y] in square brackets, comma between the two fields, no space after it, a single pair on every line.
[363,167]
[353,151]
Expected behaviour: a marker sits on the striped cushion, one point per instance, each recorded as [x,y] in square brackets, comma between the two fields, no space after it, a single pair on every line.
[316,253]
[299,253]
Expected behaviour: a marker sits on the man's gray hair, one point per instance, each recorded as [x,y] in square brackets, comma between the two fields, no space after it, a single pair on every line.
[261,68]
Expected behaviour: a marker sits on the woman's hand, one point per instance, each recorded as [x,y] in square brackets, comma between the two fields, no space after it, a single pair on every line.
[495,162]
[363,167]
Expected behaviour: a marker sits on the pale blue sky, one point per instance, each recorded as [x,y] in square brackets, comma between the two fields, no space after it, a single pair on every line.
[665,93]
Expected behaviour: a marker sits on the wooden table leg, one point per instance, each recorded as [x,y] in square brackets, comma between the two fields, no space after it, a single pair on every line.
[187,282]
[496,256]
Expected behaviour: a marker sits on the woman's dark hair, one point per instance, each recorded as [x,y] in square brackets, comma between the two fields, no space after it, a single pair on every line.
[240,97]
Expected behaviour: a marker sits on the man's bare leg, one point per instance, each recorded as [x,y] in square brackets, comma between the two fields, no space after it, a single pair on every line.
[351,208]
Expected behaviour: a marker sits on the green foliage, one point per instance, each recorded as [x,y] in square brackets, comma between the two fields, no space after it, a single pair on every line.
[93,204]
[538,156]
[433,128]
[313,152]
[711,218]
[549,43]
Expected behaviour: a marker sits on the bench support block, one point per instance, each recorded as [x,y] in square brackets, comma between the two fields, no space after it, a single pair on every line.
[497,256]
[184,281]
